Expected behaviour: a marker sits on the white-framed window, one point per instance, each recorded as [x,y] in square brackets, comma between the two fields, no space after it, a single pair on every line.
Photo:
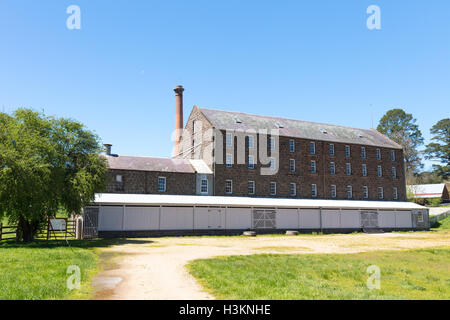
[395,193]
[313,166]
[251,187]
[293,189]
[332,149]
[349,192]
[363,152]
[348,169]
[420,216]
[119,178]
[332,168]
[291,145]
[273,188]
[271,143]
[292,165]
[365,192]
[229,160]
[394,172]
[333,191]
[229,186]
[380,193]
[379,171]
[272,163]
[161,184]
[251,142]
[392,155]
[314,190]
[251,162]
[378,154]
[347,151]
[364,170]
[204,186]
[312,147]
[229,140]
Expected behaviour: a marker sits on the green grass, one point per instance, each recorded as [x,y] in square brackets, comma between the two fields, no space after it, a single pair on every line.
[38,272]
[444,224]
[415,274]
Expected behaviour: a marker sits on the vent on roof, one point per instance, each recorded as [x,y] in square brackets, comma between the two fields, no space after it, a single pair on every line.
[237,120]
[323,131]
[279,125]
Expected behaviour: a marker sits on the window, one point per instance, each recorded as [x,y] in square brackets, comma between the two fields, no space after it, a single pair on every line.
[118,178]
[332,168]
[229,186]
[291,145]
[420,216]
[333,191]
[251,187]
[395,193]
[273,188]
[272,164]
[394,172]
[349,192]
[312,148]
[204,186]
[314,190]
[363,152]
[380,193]
[251,142]
[378,154]
[347,151]
[292,165]
[229,160]
[364,170]
[229,140]
[251,162]
[332,150]
[365,192]
[392,155]
[271,143]
[379,171]
[348,169]
[293,189]
[313,166]
[161,184]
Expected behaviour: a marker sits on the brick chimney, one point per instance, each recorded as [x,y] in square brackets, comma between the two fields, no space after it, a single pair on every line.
[178,118]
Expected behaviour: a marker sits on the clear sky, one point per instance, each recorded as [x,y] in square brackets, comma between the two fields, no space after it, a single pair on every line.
[309,60]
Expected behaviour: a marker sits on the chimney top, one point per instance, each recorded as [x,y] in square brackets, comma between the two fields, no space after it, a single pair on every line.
[108,148]
[178,90]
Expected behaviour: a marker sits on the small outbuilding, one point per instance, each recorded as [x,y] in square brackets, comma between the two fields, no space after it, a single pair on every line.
[139,215]
[430,191]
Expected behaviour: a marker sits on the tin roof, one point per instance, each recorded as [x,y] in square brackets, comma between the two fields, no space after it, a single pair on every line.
[227,120]
[176,200]
[427,190]
[149,164]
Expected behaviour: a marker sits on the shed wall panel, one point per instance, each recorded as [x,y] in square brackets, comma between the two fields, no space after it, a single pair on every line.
[110,219]
[331,219]
[403,219]
[350,219]
[141,218]
[386,219]
[238,218]
[209,218]
[309,218]
[177,218]
[287,219]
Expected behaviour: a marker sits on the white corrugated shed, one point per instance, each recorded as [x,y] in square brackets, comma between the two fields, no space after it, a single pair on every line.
[427,190]
[177,200]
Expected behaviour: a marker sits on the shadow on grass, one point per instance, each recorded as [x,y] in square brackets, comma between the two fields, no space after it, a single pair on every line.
[85,244]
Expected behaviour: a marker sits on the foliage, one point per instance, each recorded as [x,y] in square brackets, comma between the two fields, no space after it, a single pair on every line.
[401,127]
[443,224]
[414,274]
[46,164]
[439,149]
[434,202]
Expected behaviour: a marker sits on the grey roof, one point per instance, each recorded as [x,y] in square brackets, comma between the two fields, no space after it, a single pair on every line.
[150,164]
[226,120]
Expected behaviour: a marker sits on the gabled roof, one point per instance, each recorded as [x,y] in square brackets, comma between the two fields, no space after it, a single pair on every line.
[149,164]
[226,120]
[427,190]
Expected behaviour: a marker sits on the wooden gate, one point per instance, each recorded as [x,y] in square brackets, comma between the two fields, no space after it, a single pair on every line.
[264,219]
[369,219]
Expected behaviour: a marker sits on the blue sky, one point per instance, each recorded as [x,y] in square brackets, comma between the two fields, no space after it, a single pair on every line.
[310,60]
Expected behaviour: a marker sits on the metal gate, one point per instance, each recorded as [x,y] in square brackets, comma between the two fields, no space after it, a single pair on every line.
[90,223]
[369,219]
[264,218]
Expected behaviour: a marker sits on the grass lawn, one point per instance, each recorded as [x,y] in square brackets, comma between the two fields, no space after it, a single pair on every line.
[38,272]
[414,274]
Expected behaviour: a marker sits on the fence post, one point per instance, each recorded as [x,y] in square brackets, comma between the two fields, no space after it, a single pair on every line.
[1,230]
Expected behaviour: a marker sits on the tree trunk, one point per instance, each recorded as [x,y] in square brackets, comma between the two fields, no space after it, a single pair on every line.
[25,230]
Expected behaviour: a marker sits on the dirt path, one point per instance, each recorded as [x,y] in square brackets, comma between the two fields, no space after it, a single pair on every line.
[155,268]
